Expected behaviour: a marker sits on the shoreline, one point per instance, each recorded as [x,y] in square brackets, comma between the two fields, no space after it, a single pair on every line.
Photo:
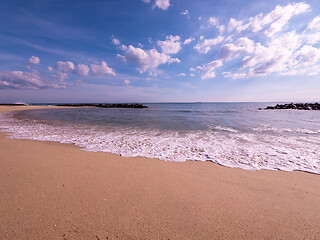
[216,153]
[54,190]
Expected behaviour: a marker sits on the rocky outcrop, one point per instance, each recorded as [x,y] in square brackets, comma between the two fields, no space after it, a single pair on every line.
[297,106]
[115,105]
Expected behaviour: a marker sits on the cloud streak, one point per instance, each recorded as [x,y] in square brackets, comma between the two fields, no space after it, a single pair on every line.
[27,80]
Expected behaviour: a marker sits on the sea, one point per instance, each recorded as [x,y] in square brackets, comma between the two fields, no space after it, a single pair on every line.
[236,135]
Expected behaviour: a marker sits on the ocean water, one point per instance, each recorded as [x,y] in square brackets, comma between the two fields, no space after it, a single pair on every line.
[231,134]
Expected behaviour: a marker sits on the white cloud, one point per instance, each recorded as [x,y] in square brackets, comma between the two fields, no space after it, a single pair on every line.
[208,69]
[61,76]
[236,25]
[34,60]
[82,70]
[283,52]
[233,50]
[215,22]
[26,80]
[121,58]
[126,82]
[186,13]
[115,41]
[64,66]
[281,55]
[35,80]
[286,54]
[259,60]
[188,41]
[259,55]
[280,16]
[20,80]
[234,75]
[196,69]
[182,74]
[314,24]
[206,44]
[146,60]
[153,73]
[307,55]
[102,69]
[171,45]
[162,4]
[312,38]
[275,21]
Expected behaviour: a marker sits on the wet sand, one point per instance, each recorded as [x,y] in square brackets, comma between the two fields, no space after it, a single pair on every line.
[56,191]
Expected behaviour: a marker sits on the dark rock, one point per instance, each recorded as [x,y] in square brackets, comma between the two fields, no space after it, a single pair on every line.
[13,104]
[298,106]
[114,105]
[269,107]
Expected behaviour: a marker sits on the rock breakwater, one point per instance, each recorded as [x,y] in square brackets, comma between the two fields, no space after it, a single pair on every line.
[297,106]
[115,105]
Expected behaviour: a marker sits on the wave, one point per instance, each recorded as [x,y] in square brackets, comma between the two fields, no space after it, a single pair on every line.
[221,128]
[285,130]
[227,147]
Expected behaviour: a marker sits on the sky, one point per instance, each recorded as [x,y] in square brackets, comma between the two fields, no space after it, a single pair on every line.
[57,51]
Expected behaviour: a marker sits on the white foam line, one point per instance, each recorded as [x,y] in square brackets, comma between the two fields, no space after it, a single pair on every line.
[249,151]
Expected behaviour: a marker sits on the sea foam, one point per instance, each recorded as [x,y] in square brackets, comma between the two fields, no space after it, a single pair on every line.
[252,150]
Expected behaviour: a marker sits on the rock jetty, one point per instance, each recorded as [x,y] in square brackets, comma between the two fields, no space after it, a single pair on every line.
[13,104]
[115,105]
[297,106]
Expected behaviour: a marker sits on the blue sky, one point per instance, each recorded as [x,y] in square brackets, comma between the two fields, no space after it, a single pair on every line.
[159,51]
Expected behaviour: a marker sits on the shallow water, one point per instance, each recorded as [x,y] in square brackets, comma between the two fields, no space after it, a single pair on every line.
[231,134]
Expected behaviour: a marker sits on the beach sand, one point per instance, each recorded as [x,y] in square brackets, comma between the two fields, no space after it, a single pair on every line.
[56,191]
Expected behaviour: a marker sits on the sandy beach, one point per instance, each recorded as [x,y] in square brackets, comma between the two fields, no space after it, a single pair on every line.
[56,191]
